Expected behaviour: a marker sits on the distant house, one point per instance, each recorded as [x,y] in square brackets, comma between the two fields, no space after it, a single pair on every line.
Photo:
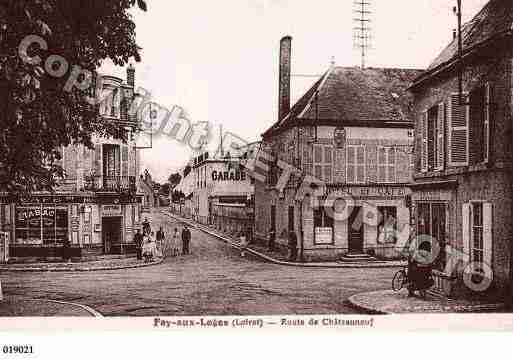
[146,186]
[352,130]
[462,195]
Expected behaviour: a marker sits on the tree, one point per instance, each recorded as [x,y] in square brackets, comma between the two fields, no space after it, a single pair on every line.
[40,110]
[175,179]
[165,189]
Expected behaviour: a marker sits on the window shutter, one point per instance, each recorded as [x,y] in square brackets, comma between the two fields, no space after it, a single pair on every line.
[98,160]
[459,131]
[487,120]
[487,233]
[465,215]
[440,140]
[424,142]
[124,160]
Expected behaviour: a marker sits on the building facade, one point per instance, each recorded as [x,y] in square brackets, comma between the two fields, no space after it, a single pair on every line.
[462,195]
[351,135]
[223,193]
[95,208]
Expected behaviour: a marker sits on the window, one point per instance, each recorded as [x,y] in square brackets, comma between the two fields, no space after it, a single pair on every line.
[431,221]
[480,115]
[387,224]
[323,226]
[41,225]
[386,164]
[355,164]
[477,245]
[433,136]
[323,162]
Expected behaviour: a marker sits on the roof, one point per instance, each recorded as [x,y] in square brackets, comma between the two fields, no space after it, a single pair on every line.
[356,97]
[494,19]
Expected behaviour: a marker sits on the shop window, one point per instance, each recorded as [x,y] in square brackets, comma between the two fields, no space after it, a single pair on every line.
[387,227]
[41,225]
[323,226]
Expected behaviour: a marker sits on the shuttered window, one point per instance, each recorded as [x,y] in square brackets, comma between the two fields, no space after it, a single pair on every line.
[386,164]
[477,232]
[459,114]
[424,142]
[440,138]
[323,162]
[487,122]
[355,164]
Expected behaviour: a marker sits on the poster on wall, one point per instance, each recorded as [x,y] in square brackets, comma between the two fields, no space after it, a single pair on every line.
[323,235]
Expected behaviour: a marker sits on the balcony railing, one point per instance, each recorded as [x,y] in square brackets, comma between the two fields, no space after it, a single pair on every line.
[111,183]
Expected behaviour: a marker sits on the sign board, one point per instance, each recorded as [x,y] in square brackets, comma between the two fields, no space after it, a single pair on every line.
[368,191]
[323,235]
[111,210]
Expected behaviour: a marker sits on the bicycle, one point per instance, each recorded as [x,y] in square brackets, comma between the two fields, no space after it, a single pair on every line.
[399,280]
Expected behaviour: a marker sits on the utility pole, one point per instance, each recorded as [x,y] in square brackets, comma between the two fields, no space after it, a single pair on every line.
[362,31]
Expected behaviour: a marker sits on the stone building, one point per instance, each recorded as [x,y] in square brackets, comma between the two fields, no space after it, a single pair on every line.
[462,195]
[223,193]
[146,186]
[353,132]
[95,206]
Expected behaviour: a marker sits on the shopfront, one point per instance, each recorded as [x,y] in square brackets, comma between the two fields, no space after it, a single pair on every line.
[354,220]
[40,225]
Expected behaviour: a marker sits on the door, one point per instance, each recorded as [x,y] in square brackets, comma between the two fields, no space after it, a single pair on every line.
[355,231]
[111,234]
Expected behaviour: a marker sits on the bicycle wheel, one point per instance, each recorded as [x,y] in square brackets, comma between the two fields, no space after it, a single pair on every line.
[399,280]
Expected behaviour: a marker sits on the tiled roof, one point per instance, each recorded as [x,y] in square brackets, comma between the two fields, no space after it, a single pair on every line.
[351,94]
[495,18]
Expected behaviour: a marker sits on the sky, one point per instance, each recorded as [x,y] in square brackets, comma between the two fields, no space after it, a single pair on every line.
[219,59]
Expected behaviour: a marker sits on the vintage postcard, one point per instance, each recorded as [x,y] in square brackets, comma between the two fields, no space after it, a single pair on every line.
[255,165]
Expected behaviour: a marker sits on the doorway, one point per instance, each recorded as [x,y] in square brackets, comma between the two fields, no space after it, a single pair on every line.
[111,235]
[355,231]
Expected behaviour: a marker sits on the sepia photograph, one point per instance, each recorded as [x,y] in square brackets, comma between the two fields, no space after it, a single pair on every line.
[256,164]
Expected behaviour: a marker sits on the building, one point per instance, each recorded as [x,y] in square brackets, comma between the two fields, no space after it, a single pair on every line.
[223,193]
[353,131]
[146,187]
[95,206]
[462,195]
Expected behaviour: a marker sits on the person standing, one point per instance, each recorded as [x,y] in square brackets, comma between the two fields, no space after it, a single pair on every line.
[186,240]
[243,243]
[174,243]
[292,246]
[161,237]
[272,239]
[146,226]
[138,241]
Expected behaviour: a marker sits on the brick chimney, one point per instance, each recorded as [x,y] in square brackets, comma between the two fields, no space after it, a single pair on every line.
[130,76]
[284,89]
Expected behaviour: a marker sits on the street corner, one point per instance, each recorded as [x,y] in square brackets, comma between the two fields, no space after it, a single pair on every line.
[392,302]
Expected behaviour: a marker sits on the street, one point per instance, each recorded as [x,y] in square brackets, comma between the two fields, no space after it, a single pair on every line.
[212,280]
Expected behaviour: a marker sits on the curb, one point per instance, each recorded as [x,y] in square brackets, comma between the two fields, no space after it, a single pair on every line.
[276,261]
[355,303]
[90,310]
[87,269]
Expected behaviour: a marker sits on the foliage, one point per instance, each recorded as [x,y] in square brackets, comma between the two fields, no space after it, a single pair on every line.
[37,116]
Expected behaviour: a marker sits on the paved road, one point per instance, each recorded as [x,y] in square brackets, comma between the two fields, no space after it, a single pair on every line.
[213,280]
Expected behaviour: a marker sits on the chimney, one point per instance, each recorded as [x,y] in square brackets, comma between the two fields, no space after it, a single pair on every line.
[284,89]
[130,76]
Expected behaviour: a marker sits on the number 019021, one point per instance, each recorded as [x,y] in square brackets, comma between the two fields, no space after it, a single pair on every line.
[17,349]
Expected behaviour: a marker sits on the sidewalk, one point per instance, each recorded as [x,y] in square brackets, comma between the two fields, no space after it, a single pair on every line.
[100,265]
[278,258]
[16,306]
[390,302]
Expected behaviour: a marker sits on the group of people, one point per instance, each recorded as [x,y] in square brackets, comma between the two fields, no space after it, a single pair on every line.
[150,245]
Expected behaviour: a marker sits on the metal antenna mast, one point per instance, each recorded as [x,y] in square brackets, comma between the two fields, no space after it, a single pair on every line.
[362,31]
